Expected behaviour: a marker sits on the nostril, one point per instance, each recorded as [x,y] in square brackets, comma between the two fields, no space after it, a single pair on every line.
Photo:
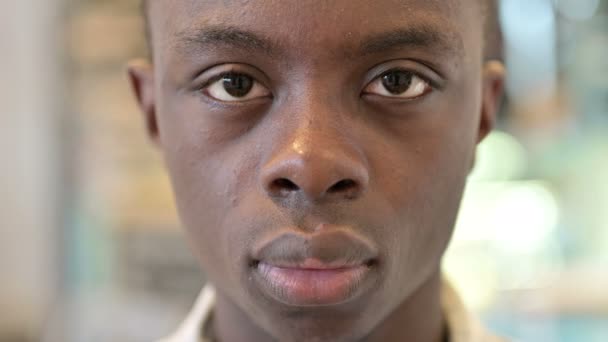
[284,184]
[344,185]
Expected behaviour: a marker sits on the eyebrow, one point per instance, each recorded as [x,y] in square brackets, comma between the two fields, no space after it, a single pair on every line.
[228,36]
[423,36]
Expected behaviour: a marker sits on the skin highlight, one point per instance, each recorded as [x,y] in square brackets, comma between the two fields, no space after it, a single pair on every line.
[319,157]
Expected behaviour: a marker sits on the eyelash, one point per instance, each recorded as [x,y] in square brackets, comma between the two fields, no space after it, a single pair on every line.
[433,83]
[221,75]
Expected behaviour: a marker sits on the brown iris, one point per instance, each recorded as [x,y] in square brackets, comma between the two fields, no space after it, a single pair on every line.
[397,82]
[237,85]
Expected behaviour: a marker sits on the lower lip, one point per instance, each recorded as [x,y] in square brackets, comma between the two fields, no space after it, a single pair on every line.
[311,287]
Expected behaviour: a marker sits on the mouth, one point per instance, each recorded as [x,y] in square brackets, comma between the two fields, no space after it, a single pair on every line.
[312,286]
[320,270]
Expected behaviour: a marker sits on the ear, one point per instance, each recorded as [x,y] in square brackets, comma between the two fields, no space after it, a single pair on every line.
[493,84]
[141,77]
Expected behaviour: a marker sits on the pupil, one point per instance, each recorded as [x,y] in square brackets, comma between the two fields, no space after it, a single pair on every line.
[237,85]
[397,82]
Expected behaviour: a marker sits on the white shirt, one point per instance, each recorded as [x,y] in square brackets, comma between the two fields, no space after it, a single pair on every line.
[463,326]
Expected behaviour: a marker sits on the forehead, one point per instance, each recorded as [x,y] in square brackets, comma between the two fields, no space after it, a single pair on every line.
[305,25]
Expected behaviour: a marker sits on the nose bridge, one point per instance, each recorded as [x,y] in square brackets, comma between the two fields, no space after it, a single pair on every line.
[320,129]
[318,155]
[322,114]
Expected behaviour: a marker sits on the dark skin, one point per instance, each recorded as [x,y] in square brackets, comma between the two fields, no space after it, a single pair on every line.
[311,129]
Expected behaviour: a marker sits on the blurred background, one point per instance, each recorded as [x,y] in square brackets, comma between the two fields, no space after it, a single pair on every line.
[90,246]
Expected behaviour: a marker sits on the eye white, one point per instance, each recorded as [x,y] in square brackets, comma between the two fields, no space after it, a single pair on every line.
[217,90]
[417,87]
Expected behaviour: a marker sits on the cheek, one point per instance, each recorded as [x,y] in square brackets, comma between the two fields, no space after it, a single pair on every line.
[203,172]
[208,208]
[425,196]
[197,197]
[423,172]
[196,142]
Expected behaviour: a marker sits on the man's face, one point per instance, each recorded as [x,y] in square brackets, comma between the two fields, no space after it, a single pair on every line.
[318,149]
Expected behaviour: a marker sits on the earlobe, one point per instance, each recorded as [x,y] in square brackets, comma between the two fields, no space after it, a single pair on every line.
[141,77]
[492,92]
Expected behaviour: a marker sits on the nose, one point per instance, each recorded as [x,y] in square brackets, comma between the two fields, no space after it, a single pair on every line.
[317,165]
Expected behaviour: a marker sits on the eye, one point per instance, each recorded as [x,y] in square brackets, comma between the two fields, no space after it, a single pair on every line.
[235,87]
[399,84]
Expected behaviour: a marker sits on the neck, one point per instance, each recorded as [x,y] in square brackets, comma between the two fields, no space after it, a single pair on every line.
[418,318]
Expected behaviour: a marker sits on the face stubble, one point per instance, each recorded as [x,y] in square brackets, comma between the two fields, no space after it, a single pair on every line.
[405,162]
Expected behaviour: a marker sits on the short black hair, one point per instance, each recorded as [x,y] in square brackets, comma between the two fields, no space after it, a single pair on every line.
[494,44]
[493,38]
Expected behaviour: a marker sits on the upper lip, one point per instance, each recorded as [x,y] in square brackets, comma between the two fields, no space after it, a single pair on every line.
[327,250]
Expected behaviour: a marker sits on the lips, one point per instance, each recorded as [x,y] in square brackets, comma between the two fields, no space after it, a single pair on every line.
[325,268]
